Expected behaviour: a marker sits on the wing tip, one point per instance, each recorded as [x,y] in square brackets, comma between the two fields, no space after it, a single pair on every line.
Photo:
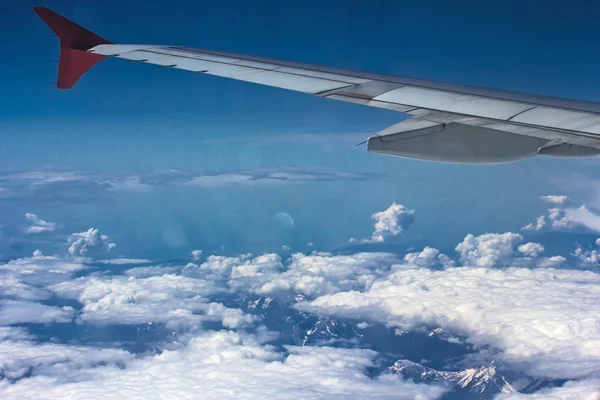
[75,40]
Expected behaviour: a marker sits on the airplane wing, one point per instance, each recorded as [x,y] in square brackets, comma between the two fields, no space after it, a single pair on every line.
[449,123]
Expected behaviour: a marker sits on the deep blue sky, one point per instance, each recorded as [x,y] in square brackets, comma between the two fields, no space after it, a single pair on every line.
[127,118]
[129,110]
[164,162]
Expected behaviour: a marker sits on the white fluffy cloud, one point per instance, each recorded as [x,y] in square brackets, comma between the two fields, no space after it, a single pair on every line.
[322,273]
[542,320]
[27,278]
[494,250]
[531,249]
[91,241]
[506,299]
[196,254]
[21,356]
[552,262]
[18,312]
[488,250]
[540,223]
[11,287]
[558,200]
[573,390]
[178,301]
[38,225]
[587,258]
[583,217]
[310,275]
[562,217]
[429,257]
[221,365]
[388,223]
[144,272]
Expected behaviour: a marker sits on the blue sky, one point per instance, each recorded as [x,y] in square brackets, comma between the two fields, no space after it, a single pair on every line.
[239,228]
[126,118]
[154,118]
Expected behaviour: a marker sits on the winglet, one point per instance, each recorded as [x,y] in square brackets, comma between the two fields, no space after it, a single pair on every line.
[74,43]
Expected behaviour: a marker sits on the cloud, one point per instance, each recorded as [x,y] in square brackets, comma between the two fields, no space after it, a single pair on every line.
[179,302]
[562,217]
[573,390]
[388,223]
[540,223]
[18,312]
[531,249]
[62,186]
[21,356]
[196,254]
[91,241]
[124,261]
[558,200]
[182,303]
[144,272]
[310,275]
[587,258]
[552,262]
[223,364]
[543,321]
[583,217]
[497,250]
[28,278]
[505,300]
[11,287]
[391,222]
[38,225]
[429,257]
[488,250]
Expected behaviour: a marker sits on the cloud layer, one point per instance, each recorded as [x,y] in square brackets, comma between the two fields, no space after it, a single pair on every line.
[216,365]
[500,295]
[543,320]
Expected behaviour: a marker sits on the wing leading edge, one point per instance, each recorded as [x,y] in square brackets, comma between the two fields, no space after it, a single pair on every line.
[450,123]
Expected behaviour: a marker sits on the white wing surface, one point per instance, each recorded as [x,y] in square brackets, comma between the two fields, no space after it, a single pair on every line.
[450,123]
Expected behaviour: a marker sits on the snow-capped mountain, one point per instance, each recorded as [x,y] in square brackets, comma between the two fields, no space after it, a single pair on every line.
[305,329]
[479,380]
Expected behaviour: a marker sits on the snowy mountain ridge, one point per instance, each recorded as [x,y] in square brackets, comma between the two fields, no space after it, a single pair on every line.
[478,380]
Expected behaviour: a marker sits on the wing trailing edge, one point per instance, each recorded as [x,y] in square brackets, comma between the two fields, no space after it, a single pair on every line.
[75,40]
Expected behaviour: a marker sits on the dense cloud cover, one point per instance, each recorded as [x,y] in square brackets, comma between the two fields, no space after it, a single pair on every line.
[500,296]
[216,365]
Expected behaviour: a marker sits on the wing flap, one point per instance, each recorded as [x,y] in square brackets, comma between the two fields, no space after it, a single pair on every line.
[456,143]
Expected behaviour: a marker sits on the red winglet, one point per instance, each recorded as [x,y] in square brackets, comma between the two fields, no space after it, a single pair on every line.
[74,43]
